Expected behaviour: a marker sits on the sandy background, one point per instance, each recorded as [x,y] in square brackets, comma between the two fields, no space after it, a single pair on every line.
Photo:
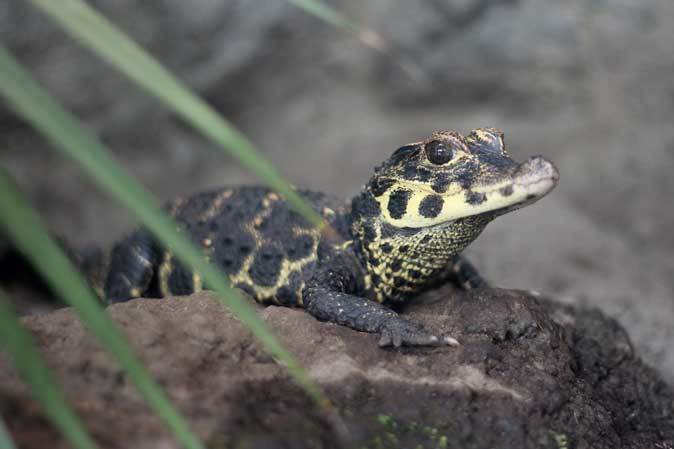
[586,83]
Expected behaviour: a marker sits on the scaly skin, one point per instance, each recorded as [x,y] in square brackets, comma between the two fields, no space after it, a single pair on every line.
[401,235]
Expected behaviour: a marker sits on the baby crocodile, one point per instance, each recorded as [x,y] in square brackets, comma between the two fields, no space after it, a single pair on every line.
[401,235]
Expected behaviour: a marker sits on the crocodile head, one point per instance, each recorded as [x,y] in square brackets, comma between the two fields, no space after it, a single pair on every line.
[432,198]
[448,177]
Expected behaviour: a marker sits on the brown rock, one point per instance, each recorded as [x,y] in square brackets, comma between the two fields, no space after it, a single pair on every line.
[529,373]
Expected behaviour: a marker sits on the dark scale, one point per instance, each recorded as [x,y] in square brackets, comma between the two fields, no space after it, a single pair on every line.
[181,280]
[266,265]
[431,206]
[401,235]
[230,251]
[397,204]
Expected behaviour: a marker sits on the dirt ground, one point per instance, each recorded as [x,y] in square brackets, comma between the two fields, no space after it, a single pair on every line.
[586,83]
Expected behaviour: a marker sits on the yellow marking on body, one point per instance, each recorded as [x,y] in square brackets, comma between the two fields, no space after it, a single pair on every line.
[344,245]
[257,221]
[207,242]
[368,281]
[135,292]
[298,292]
[270,198]
[196,283]
[215,205]
[164,272]
[267,293]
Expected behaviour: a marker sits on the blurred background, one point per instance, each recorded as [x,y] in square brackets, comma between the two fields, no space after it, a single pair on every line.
[587,83]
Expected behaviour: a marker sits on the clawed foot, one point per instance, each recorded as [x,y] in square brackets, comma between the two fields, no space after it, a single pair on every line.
[402,332]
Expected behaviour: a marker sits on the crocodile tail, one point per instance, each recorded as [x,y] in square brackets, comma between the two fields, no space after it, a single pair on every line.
[17,270]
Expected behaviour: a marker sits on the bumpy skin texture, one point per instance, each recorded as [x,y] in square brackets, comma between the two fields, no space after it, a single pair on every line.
[401,235]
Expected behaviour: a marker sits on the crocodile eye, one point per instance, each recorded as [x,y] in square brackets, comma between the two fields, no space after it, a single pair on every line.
[438,153]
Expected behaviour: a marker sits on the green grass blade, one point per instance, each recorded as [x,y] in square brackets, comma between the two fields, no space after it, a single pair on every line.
[6,441]
[330,15]
[107,41]
[61,128]
[22,224]
[18,343]
[408,65]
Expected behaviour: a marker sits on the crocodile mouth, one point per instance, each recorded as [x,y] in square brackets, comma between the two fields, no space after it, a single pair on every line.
[531,181]
[517,186]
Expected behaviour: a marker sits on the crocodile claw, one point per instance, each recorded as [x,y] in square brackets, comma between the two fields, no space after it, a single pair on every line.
[402,332]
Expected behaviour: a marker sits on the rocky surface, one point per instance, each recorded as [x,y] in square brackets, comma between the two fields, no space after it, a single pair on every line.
[586,83]
[530,374]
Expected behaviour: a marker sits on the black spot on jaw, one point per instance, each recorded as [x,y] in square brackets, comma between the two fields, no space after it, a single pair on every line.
[387,248]
[431,206]
[475,198]
[507,190]
[397,203]
[380,185]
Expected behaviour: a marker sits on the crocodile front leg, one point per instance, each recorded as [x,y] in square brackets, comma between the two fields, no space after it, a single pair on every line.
[132,267]
[332,294]
[368,316]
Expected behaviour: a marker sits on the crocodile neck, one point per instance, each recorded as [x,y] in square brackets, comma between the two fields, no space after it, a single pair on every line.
[400,262]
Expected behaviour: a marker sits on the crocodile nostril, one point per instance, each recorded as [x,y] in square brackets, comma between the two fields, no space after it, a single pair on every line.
[539,167]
